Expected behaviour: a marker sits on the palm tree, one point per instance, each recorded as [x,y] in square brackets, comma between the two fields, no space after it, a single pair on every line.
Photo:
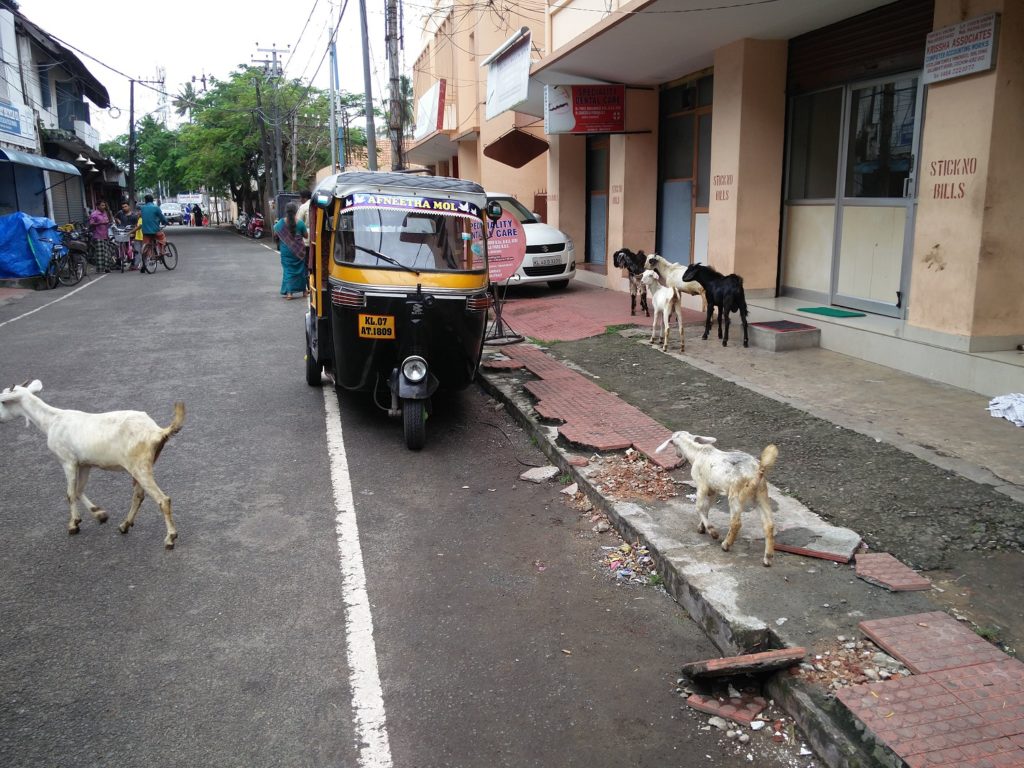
[185,101]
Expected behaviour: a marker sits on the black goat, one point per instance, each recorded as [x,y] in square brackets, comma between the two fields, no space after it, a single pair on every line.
[634,264]
[724,292]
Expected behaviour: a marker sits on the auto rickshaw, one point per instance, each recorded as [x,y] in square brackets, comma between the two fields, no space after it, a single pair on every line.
[398,281]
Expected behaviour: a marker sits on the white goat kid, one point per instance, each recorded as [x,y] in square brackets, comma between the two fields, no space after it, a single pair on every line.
[736,474]
[665,301]
[670,273]
[118,440]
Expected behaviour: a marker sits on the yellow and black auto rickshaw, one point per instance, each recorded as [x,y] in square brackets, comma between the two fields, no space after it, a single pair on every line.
[398,288]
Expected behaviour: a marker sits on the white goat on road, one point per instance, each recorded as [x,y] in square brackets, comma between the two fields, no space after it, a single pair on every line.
[118,440]
[736,474]
[665,301]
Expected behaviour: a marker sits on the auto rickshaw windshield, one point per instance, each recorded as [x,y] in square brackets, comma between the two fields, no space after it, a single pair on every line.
[418,240]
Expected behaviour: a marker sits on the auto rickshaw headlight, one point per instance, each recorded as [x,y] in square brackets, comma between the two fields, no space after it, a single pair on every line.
[414,369]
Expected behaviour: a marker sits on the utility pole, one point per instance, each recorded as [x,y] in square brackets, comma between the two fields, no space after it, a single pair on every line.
[273,69]
[397,108]
[332,116]
[131,135]
[371,131]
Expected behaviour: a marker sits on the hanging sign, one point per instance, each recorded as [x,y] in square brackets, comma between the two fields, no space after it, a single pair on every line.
[584,109]
[506,247]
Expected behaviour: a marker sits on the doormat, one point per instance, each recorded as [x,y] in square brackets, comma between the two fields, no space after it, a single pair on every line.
[783,325]
[831,312]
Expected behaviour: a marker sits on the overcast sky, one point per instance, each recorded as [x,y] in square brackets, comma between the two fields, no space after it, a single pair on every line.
[211,37]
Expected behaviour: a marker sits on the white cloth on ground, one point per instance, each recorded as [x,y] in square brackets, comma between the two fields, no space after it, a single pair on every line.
[1008,407]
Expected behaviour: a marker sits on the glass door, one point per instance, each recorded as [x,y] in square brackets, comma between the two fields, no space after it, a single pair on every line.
[875,220]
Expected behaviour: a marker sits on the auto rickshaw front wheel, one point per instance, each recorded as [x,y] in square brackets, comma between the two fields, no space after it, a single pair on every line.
[414,419]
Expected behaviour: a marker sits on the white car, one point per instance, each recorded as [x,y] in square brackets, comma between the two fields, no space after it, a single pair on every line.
[550,255]
[173,212]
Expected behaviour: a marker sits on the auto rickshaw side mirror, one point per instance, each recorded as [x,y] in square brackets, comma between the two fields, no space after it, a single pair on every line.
[494,210]
[322,199]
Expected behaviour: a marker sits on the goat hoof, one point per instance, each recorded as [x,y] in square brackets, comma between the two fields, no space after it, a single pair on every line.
[713,533]
[123,527]
[725,547]
[73,530]
[704,337]
[767,562]
[101,516]
[745,343]
[168,545]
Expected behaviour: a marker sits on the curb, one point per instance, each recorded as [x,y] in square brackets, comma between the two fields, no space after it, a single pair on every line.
[832,732]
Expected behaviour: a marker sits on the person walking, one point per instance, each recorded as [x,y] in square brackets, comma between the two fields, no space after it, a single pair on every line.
[103,248]
[150,219]
[289,233]
[303,214]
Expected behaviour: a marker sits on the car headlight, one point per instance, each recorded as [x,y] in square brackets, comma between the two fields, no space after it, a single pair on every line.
[414,369]
[568,244]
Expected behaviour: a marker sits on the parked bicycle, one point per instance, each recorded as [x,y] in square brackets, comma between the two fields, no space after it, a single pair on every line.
[67,266]
[158,250]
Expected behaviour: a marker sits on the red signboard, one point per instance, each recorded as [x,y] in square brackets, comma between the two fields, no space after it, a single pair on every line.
[584,109]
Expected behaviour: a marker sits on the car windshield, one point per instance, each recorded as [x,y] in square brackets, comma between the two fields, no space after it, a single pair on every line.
[410,240]
[515,209]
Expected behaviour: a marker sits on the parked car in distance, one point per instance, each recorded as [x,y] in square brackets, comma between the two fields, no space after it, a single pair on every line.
[172,211]
[550,255]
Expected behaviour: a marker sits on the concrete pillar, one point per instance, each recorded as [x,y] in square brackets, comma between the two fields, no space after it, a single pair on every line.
[967,275]
[567,192]
[747,141]
[633,179]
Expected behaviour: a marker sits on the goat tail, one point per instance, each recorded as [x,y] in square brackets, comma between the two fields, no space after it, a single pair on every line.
[768,457]
[175,426]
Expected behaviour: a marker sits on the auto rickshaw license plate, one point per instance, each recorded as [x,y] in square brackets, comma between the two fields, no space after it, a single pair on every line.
[376,326]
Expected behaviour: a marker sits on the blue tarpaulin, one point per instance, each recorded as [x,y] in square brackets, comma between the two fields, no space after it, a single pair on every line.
[25,245]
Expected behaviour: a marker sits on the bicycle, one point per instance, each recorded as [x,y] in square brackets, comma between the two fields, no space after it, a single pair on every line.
[66,267]
[163,251]
[123,240]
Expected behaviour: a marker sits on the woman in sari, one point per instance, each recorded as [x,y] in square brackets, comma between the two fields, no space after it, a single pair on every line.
[288,232]
[103,249]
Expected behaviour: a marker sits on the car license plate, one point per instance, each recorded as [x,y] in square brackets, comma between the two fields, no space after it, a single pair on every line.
[376,326]
[547,261]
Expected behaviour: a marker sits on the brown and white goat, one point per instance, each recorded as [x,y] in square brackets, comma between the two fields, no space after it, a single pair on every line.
[671,274]
[737,475]
[128,441]
[633,263]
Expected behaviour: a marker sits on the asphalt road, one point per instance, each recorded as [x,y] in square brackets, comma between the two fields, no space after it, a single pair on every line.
[499,638]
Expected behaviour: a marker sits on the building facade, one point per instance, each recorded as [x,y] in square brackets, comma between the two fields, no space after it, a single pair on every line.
[50,161]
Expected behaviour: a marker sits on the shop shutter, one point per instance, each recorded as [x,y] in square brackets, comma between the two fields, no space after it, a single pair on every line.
[59,197]
[883,41]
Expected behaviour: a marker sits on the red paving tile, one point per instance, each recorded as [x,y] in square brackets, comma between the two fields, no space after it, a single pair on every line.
[884,570]
[927,642]
[590,416]
[964,708]
[742,710]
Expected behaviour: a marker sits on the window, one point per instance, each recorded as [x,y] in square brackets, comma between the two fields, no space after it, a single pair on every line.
[44,85]
[814,144]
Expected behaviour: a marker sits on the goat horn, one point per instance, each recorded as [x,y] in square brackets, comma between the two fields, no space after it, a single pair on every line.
[25,383]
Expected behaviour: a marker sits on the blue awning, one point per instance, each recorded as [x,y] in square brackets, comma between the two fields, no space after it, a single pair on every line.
[48,163]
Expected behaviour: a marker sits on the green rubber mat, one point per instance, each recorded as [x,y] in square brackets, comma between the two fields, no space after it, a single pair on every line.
[831,312]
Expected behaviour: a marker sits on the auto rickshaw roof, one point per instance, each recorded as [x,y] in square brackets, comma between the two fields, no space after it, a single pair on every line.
[408,183]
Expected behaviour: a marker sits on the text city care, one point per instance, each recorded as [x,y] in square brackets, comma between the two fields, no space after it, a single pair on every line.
[958,166]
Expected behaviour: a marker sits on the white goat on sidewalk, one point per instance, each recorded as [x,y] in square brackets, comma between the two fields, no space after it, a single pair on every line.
[665,300]
[736,474]
[118,440]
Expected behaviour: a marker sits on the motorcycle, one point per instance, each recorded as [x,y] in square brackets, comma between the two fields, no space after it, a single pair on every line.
[254,227]
[398,295]
[242,224]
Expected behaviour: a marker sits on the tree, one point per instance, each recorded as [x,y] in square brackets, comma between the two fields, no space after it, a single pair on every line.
[185,101]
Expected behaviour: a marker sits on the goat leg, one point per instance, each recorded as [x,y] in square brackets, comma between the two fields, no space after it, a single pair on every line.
[735,521]
[707,323]
[768,524]
[632,303]
[71,475]
[98,512]
[137,496]
[704,500]
[743,318]
[643,303]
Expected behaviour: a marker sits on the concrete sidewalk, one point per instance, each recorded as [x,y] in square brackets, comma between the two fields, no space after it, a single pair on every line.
[802,601]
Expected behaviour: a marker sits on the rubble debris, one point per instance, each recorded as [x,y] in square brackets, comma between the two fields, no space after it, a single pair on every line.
[747,664]
[540,474]
[632,477]
[847,662]
[630,563]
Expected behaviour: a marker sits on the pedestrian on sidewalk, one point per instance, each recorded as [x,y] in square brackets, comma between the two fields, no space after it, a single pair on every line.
[289,233]
[103,248]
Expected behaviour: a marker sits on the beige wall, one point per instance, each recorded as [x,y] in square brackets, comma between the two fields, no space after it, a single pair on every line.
[747,140]
[566,189]
[967,274]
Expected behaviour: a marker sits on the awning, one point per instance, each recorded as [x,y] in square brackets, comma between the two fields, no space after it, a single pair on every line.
[516,148]
[437,147]
[38,161]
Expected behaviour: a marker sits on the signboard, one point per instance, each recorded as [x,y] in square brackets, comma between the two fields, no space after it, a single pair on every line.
[584,109]
[506,247]
[430,111]
[508,77]
[961,49]
[410,203]
[17,125]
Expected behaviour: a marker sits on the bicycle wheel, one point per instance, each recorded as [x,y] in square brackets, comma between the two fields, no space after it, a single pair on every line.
[52,271]
[170,256]
[72,269]
[150,258]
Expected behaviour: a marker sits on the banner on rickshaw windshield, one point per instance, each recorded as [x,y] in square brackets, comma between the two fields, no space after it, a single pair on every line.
[411,203]
[506,247]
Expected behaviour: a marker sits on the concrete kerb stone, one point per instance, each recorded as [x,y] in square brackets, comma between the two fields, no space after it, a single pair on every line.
[832,730]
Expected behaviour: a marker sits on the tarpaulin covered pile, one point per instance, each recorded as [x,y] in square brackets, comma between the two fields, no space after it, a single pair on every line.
[25,245]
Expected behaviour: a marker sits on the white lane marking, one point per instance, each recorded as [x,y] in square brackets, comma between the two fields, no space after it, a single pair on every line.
[364,677]
[96,279]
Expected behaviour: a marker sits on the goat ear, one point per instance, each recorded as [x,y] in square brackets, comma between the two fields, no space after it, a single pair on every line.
[703,440]
[34,386]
